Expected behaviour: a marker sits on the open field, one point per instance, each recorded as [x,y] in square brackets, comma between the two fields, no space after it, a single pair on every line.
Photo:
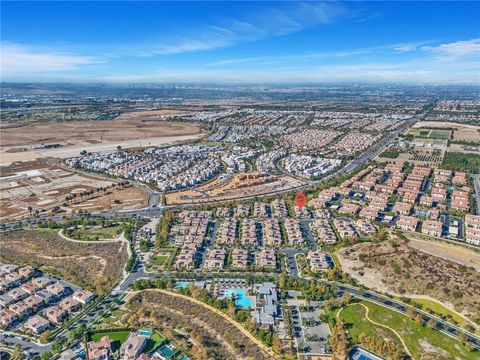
[96,233]
[131,130]
[445,250]
[40,185]
[92,266]
[359,327]
[215,336]
[419,156]
[400,269]
[240,186]
[136,125]
[462,132]
[422,342]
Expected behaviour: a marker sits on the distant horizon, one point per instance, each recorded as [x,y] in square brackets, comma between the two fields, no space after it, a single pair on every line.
[284,42]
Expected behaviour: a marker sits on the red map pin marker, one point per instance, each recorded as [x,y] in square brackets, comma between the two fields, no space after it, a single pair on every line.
[300,199]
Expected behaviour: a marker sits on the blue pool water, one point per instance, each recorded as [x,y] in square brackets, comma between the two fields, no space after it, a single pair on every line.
[240,301]
[145,333]
[182,284]
[165,351]
[184,358]
[364,357]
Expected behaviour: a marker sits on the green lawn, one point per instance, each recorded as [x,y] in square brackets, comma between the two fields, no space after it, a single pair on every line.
[159,259]
[167,250]
[102,233]
[117,337]
[438,308]
[155,341]
[353,317]
[421,340]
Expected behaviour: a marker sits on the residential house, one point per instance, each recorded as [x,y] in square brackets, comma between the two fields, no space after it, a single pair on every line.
[37,324]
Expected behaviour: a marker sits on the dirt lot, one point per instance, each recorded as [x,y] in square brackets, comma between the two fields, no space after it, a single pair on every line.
[444,250]
[128,130]
[400,268]
[127,126]
[42,185]
[239,186]
[97,267]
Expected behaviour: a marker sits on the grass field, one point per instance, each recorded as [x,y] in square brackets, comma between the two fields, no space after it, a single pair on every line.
[356,323]
[100,233]
[439,309]
[423,342]
[159,260]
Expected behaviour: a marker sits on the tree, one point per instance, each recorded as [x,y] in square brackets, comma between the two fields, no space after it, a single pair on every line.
[119,148]
[431,323]
[410,312]
[45,336]
[17,353]
[47,355]
[419,319]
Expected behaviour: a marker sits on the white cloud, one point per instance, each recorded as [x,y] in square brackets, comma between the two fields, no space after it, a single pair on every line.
[226,32]
[16,58]
[455,50]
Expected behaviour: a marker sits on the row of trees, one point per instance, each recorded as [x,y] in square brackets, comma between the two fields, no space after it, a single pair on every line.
[88,194]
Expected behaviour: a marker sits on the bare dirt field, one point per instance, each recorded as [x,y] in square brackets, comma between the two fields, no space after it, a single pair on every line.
[94,266]
[465,148]
[40,185]
[125,127]
[239,186]
[128,130]
[445,250]
[401,269]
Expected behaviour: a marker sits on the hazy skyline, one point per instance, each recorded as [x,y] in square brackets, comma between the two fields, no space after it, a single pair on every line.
[249,42]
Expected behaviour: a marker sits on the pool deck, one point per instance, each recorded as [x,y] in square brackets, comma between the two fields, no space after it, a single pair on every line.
[362,354]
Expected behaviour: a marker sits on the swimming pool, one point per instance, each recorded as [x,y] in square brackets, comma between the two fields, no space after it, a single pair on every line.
[182,284]
[145,333]
[166,351]
[241,300]
[362,354]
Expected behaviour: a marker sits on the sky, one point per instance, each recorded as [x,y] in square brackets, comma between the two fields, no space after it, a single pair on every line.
[270,42]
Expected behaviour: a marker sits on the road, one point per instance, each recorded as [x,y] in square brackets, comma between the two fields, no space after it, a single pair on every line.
[476,185]
[441,325]
[154,209]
